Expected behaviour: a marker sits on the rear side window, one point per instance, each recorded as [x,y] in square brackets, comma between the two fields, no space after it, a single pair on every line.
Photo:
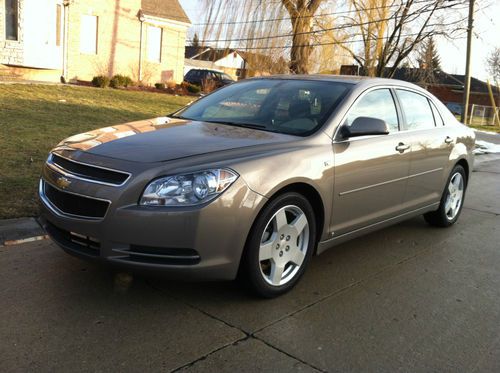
[376,104]
[191,74]
[417,110]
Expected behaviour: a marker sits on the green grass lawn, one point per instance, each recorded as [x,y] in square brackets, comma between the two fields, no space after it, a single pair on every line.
[34,118]
[476,124]
[494,129]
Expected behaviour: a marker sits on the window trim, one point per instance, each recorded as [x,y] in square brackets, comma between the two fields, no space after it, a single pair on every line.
[59,25]
[434,111]
[96,52]
[7,38]
[160,54]
[336,139]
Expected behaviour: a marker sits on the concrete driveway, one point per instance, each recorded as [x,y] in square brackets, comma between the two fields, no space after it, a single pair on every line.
[409,298]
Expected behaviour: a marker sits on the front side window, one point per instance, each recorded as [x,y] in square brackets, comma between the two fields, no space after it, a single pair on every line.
[417,110]
[88,34]
[296,107]
[154,43]
[376,104]
[11,19]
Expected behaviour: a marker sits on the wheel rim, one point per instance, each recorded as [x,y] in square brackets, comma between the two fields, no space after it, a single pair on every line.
[455,196]
[283,245]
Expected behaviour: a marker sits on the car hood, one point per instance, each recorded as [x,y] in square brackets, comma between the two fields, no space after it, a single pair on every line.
[164,139]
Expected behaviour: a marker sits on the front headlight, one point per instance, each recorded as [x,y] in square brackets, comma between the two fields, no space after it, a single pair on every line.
[187,189]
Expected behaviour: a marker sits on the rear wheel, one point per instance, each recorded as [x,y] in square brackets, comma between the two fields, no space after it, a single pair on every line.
[280,245]
[451,200]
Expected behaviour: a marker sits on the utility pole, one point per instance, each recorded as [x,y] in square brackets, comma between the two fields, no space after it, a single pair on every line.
[465,109]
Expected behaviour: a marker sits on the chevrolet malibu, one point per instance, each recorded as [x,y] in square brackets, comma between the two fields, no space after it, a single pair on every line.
[257,177]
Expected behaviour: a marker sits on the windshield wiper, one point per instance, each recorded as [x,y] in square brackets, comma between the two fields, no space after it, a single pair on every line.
[178,117]
[238,124]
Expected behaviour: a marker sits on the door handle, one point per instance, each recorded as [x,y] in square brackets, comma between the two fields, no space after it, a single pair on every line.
[448,140]
[402,147]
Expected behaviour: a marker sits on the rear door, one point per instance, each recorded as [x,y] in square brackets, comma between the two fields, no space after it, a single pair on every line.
[370,171]
[430,149]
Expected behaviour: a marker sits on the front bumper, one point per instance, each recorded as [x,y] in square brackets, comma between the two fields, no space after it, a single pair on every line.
[203,243]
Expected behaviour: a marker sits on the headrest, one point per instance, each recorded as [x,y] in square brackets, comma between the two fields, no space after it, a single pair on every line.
[299,109]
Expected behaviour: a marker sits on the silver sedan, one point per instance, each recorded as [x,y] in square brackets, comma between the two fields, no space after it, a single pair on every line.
[257,177]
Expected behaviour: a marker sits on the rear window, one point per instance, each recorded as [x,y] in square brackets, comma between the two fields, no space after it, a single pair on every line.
[417,110]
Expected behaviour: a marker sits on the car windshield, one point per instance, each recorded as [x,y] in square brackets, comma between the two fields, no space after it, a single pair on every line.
[290,106]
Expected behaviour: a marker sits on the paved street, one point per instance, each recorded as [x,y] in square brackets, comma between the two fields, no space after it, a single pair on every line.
[489,137]
[409,298]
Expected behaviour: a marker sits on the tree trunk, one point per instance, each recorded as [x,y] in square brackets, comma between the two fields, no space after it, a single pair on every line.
[301,44]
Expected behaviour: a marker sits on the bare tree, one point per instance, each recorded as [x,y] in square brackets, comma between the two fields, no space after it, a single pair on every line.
[378,34]
[239,21]
[493,64]
[301,13]
[391,32]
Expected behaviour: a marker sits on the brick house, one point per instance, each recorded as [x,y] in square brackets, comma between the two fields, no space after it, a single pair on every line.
[78,39]
[449,88]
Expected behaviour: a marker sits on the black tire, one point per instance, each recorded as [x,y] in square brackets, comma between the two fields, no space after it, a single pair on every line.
[251,269]
[439,218]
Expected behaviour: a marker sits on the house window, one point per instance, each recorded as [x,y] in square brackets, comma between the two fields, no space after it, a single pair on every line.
[88,34]
[58,24]
[11,19]
[154,43]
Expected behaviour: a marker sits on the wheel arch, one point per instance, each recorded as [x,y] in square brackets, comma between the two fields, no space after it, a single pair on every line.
[314,198]
[463,162]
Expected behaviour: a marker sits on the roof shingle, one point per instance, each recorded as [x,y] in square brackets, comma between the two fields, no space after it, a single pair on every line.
[169,9]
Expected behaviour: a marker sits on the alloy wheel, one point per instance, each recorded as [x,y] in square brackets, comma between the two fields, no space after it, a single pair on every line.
[283,246]
[455,196]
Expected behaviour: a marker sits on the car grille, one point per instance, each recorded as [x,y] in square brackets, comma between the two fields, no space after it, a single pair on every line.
[73,241]
[75,205]
[159,256]
[88,172]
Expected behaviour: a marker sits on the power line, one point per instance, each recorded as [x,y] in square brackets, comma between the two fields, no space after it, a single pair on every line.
[341,27]
[313,16]
[326,43]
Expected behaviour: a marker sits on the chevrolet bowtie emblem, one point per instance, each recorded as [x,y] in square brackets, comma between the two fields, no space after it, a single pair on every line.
[63,183]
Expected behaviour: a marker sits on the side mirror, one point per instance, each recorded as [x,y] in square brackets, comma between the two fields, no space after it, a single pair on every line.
[364,126]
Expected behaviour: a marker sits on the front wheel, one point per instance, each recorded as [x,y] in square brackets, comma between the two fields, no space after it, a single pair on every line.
[280,245]
[451,201]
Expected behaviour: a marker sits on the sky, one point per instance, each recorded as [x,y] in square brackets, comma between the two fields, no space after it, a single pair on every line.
[452,52]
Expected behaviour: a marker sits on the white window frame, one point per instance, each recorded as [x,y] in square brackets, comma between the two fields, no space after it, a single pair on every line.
[89,28]
[154,43]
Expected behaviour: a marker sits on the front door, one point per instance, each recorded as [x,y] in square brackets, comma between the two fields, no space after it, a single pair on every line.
[371,172]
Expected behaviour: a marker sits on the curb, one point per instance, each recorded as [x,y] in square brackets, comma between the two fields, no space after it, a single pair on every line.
[20,230]
[24,240]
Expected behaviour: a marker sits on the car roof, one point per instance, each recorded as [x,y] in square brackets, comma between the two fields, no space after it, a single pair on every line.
[364,81]
[210,70]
